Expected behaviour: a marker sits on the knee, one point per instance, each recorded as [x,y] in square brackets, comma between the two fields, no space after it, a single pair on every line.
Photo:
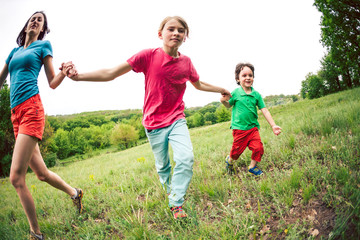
[17,180]
[188,159]
[43,176]
[259,150]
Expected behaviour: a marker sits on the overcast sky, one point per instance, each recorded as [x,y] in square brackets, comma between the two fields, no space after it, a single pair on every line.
[280,37]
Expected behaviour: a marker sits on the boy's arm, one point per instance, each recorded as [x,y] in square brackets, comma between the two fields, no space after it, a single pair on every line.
[276,129]
[103,75]
[203,86]
[225,101]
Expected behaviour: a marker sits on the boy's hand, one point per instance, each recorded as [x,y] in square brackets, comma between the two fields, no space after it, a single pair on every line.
[276,129]
[225,98]
[225,93]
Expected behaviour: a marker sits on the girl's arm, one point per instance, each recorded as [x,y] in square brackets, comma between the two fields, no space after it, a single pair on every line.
[54,81]
[276,129]
[203,86]
[103,75]
[3,75]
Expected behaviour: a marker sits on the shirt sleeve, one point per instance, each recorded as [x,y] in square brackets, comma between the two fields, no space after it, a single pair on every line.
[232,99]
[7,61]
[261,103]
[139,61]
[194,76]
[46,50]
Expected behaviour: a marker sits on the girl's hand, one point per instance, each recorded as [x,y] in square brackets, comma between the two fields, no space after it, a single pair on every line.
[276,129]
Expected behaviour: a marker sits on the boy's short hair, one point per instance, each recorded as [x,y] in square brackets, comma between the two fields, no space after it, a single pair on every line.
[240,67]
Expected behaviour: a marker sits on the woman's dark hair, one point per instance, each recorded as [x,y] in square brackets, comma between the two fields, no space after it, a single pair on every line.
[240,67]
[22,35]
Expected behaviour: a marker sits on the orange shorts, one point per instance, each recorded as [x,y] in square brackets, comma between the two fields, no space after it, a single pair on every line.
[29,117]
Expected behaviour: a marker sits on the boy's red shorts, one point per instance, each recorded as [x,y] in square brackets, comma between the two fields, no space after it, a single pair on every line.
[29,117]
[248,138]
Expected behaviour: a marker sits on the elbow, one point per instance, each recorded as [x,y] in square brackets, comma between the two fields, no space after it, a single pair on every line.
[53,86]
[108,75]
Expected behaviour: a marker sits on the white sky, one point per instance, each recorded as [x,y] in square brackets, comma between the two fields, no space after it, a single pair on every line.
[280,37]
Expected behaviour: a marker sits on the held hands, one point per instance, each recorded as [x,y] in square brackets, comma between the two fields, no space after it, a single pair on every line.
[224,98]
[69,70]
[276,129]
[225,93]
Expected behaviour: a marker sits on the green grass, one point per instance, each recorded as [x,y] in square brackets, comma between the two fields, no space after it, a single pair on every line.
[311,182]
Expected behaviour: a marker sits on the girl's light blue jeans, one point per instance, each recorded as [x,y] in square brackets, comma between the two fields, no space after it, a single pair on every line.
[177,134]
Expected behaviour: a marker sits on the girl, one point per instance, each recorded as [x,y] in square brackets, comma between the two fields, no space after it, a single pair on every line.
[166,72]
[27,113]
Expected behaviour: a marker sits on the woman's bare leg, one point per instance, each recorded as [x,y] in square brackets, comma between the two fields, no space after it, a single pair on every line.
[44,174]
[23,150]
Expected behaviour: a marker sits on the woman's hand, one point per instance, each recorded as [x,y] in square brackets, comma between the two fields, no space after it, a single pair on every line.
[68,69]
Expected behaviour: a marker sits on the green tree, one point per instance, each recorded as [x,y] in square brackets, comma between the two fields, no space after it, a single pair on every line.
[97,120]
[294,98]
[330,73]
[198,119]
[7,138]
[77,122]
[46,142]
[61,145]
[304,88]
[55,122]
[208,108]
[340,34]
[124,136]
[313,87]
[190,122]
[136,121]
[210,117]
[78,141]
[223,114]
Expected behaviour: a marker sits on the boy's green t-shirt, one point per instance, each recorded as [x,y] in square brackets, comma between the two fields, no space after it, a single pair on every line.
[244,112]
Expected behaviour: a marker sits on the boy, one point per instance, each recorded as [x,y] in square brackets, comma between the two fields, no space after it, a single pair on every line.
[244,119]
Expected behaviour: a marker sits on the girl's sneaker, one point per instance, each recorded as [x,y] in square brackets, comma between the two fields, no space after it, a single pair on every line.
[255,171]
[178,212]
[34,236]
[77,200]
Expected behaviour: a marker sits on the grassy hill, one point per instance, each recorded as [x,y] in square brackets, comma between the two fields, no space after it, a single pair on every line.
[310,189]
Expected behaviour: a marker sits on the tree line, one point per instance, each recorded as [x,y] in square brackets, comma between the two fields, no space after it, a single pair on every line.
[340,34]
[77,134]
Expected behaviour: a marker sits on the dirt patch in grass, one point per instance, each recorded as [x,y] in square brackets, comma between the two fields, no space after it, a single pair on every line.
[320,219]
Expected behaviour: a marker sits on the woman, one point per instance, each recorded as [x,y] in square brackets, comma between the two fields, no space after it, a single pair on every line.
[27,113]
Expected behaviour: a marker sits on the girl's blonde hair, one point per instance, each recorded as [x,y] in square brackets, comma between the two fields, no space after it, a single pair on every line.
[177,18]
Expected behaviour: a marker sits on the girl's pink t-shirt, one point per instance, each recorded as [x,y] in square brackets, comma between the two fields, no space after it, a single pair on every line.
[165,84]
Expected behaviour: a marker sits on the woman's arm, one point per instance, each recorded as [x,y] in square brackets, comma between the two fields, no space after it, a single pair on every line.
[3,75]
[203,86]
[276,129]
[103,75]
[54,81]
